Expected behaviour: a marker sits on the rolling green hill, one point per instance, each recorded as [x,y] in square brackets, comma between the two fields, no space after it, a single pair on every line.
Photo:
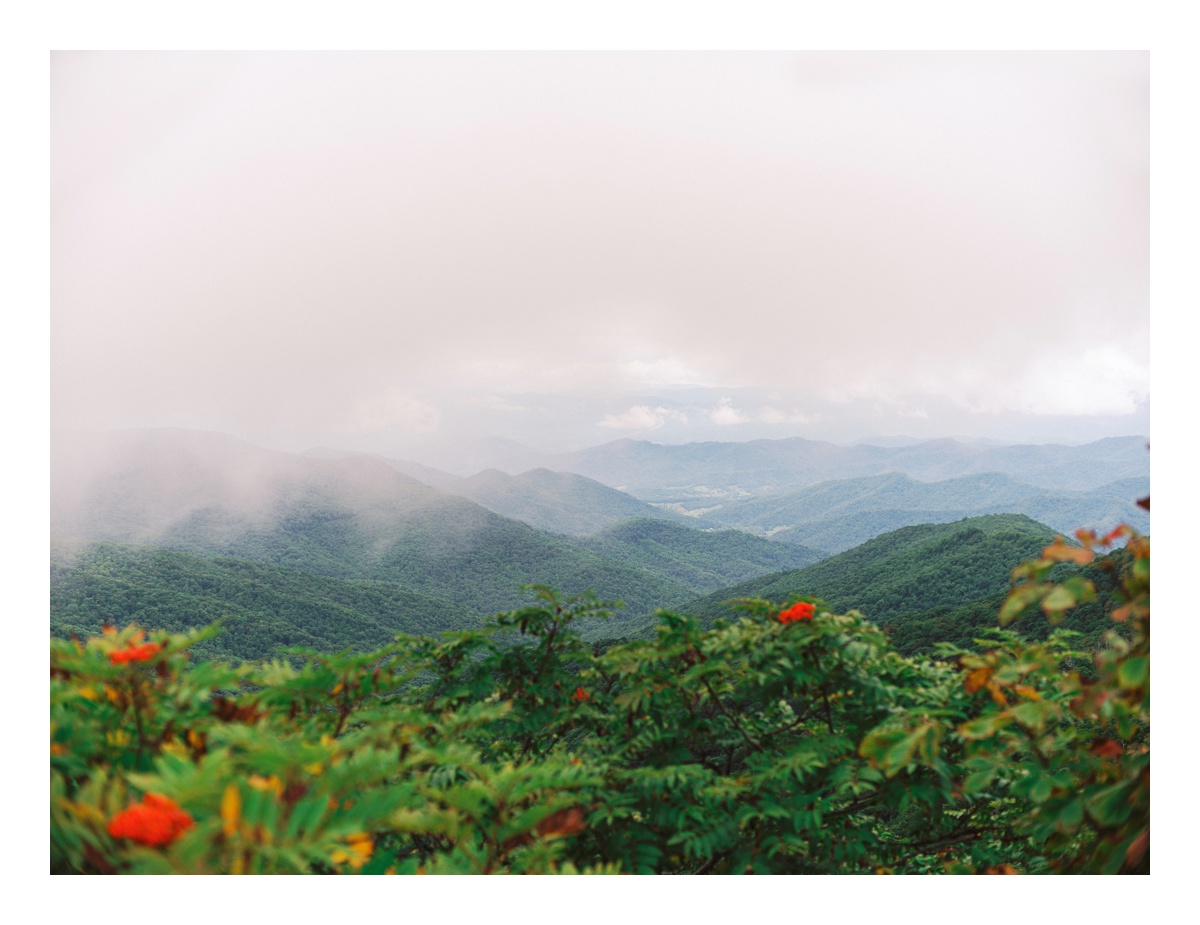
[349,518]
[919,631]
[560,502]
[701,560]
[914,569]
[843,513]
[263,607]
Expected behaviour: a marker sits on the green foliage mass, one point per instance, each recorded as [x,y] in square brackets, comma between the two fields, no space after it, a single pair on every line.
[262,607]
[792,740]
[355,519]
[703,561]
[921,632]
[457,552]
[915,569]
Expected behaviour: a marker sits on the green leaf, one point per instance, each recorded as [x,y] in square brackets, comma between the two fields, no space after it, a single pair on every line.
[1019,598]
[1033,713]
[984,727]
[1110,806]
[1059,599]
[980,780]
[1134,672]
[1071,815]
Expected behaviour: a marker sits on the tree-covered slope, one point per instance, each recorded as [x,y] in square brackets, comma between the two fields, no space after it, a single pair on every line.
[482,564]
[890,491]
[845,531]
[263,607]
[844,513]
[919,632]
[916,568]
[350,518]
[560,502]
[699,559]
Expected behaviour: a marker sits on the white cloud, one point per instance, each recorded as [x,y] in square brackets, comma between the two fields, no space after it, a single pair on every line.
[725,414]
[663,371]
[1100,380]
[794,223]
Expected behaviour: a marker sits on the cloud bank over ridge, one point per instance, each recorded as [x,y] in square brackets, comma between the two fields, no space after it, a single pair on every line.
[387,248]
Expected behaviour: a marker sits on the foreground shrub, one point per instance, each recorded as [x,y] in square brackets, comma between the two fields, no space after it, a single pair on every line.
[788,740]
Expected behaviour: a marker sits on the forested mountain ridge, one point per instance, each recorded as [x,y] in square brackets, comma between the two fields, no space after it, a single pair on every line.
[560,502]
[350,518]
[266,607]
[153,486]
[356,518]
[916,568]
[702,560]
[262,607]
[839,514]
[919,632]
[695,471]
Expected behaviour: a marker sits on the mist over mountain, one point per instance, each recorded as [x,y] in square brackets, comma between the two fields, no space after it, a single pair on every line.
[839,514]
[560,502]
[158,486]
[350,518]
[696,473]
[467,455]
[199,523]
[435,478]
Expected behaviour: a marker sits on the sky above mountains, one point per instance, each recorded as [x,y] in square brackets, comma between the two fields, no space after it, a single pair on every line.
[380,251]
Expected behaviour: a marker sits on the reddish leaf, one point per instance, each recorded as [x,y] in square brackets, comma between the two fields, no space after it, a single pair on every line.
[1106,748]
[1061,552]
[1137,850]
[562,823]
[975,680]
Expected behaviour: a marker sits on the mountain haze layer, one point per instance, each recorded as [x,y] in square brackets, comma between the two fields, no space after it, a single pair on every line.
[349,518]
[838,515]
[560,502]
[700,472]
[331,549]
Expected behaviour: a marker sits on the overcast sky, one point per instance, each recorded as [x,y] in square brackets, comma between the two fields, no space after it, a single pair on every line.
[378,250]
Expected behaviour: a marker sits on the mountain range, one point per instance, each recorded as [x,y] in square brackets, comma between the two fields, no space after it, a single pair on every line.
[334,549]
[560,502]
[697,473]
[843,513]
